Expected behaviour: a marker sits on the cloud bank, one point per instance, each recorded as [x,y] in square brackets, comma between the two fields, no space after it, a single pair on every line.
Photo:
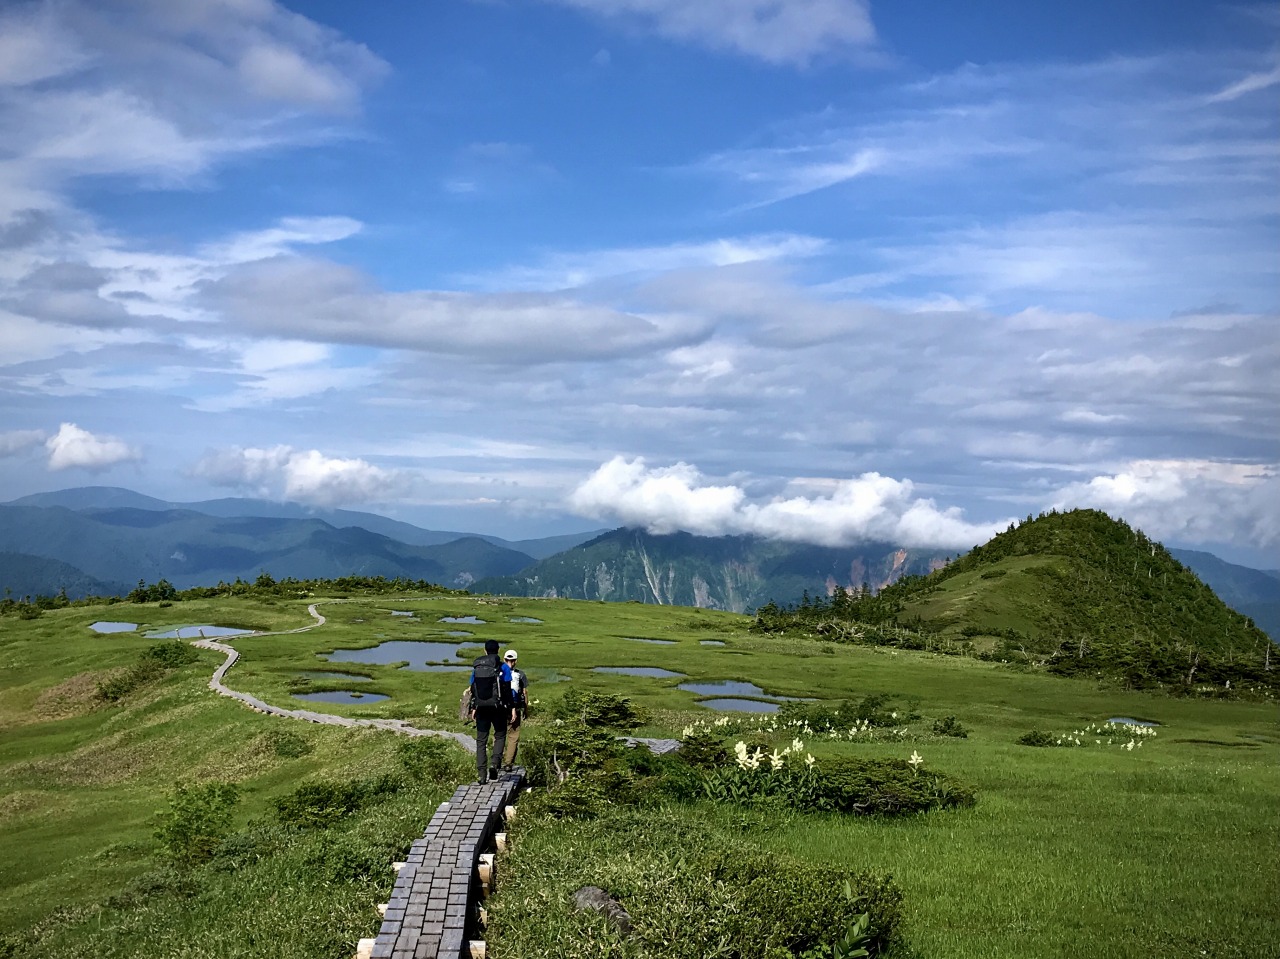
[305,476]
[867,508]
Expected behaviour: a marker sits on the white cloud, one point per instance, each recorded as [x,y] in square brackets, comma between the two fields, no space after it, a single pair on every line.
[1250,84]
[19,441]
[73,447]
[1198,501]
[306,476]
[791,32]
[309,299]
[867,508]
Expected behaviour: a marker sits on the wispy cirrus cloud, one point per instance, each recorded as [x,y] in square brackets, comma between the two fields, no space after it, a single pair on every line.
[791,33]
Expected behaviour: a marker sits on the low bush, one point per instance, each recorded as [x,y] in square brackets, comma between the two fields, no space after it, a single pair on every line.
[600,709]
[950,726]
[691,891]
[1037,738]
[197,820]
[434,759]
[286,744]
[320,804]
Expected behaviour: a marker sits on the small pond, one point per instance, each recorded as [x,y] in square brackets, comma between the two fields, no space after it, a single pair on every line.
[653,672]
[402,612]
[345,696]
[710,642]
[469,620]
[416,653]
[656,642]
[335,676]
[458,632]
[739,705]
[1125,720]
[113,627]
[198,632]
[524,619]
[726,687]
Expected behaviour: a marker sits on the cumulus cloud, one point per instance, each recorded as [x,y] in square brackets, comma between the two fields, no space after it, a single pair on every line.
[74,447]
[791,33]
[14,442]
[307,476]
[866,508]
[1197,501]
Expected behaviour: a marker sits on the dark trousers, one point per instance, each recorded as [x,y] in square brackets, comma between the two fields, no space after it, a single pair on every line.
[495,718]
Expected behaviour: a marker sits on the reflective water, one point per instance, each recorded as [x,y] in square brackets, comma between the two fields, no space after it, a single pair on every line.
[335,676]
[710,642]
[653,672]
[524,619]
[656,642]
[416,653]
[739,705]
[401,612]
[198,632]
[469,620]
[726,687]
[1132,722]
[113,627]
[341,696]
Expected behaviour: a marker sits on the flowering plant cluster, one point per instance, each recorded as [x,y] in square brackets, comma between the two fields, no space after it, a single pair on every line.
[1123,735]
[859,730]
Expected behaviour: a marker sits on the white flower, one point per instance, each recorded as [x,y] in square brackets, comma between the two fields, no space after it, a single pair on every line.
[809,760]
[775,759]
[916,760]
[797,745]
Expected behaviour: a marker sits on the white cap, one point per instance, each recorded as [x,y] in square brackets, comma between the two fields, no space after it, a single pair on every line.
[511,655]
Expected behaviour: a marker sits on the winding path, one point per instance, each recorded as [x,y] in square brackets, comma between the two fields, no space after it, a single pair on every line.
[394,725]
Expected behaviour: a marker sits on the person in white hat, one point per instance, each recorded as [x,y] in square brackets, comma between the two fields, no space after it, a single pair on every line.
[520,696]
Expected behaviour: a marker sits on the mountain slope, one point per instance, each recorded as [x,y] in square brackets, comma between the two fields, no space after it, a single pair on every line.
[735,573]
[23,575]
[190,548]
[1253,592]
[1077,592]
[110,497]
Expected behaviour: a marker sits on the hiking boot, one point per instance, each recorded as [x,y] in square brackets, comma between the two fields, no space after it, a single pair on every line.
[482,781]
[507,767]
[493,774]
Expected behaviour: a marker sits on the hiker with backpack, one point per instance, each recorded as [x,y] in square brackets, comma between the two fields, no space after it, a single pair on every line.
[520,699]
[493,706]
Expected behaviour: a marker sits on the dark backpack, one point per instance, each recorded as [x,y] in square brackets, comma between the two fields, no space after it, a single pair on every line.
[486,683]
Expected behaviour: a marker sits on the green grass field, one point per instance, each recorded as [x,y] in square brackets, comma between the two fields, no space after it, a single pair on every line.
[1170,849]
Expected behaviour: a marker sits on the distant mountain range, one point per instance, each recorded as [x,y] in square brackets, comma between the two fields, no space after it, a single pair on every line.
[101,540]
[736,573]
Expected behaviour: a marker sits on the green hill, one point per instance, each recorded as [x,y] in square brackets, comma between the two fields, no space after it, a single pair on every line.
[23,575]
[736,573]
[1075,592]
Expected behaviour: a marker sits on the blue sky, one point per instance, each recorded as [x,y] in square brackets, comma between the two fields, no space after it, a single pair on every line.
[827,270]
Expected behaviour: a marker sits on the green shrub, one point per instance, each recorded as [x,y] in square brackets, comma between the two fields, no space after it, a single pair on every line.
[196,822]
[600,709]
[950,726]
[346,858]
[431,758]
[171,655]
[1036,738]
[320,804]
[703,749]
[692,891]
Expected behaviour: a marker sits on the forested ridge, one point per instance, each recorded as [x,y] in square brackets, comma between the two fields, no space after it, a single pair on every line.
[1075,592]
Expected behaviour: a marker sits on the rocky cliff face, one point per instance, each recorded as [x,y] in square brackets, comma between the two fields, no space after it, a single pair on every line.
[734,573]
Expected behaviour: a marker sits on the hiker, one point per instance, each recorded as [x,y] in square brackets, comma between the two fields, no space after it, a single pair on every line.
[494,708]
[520,698]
